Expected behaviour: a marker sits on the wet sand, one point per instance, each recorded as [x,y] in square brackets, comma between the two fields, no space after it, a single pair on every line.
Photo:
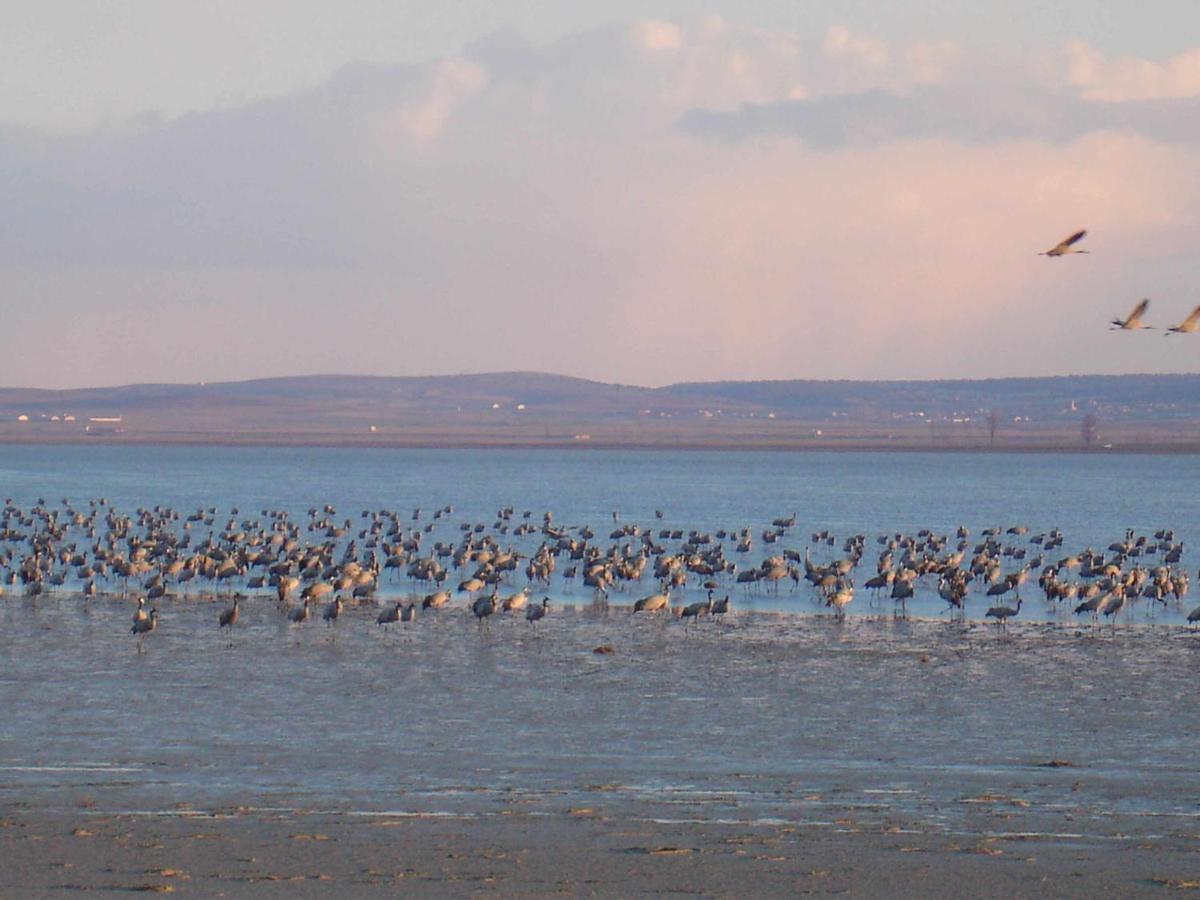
[592,852]
[768,755]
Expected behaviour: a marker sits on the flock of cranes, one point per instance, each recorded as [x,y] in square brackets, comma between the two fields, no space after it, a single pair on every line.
[1133,321]
[318,565]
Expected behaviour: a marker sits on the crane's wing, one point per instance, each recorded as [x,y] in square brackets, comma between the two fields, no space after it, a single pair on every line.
[1139,311]
[1192,319]
[1075,238]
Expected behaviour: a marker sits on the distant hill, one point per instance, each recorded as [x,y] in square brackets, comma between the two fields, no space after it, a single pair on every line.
[530,407]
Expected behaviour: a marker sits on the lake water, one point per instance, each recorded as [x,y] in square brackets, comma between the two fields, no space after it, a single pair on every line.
[921,723]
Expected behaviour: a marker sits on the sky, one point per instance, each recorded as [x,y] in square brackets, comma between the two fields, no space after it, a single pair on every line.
[631,192]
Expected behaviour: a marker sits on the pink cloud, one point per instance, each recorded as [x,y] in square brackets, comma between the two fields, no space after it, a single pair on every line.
[529,207]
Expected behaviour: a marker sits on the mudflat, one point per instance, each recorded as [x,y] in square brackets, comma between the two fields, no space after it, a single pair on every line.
[595,851]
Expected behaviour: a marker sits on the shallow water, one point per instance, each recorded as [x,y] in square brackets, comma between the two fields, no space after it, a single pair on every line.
[875,723]
[1091,497]
[921,724]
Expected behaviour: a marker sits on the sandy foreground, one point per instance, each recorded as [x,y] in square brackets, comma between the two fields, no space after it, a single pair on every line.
[587,851]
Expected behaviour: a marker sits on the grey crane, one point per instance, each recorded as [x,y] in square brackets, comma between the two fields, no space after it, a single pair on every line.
[143,627]
[1003,613]
[1067,245]
[1133,322]
[1190,325]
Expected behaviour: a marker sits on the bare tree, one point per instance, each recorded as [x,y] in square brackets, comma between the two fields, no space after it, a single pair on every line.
[993,422]
[1088,430]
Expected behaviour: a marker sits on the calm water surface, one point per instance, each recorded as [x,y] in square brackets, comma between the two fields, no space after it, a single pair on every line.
[1093,498]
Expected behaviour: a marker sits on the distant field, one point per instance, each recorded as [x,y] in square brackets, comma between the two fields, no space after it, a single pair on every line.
[1155,413]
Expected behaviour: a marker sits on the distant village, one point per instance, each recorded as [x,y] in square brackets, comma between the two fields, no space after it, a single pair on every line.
[531,408]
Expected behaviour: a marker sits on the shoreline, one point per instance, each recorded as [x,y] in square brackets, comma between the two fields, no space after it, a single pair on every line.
[808,445]
[745,612]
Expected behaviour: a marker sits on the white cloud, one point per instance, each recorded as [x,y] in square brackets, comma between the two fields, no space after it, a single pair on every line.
[656,36]
[1129,78]
[840,42]
[931,62]
[451,82]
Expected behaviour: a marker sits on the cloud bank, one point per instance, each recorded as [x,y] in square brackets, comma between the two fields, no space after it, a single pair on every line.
[654,202]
